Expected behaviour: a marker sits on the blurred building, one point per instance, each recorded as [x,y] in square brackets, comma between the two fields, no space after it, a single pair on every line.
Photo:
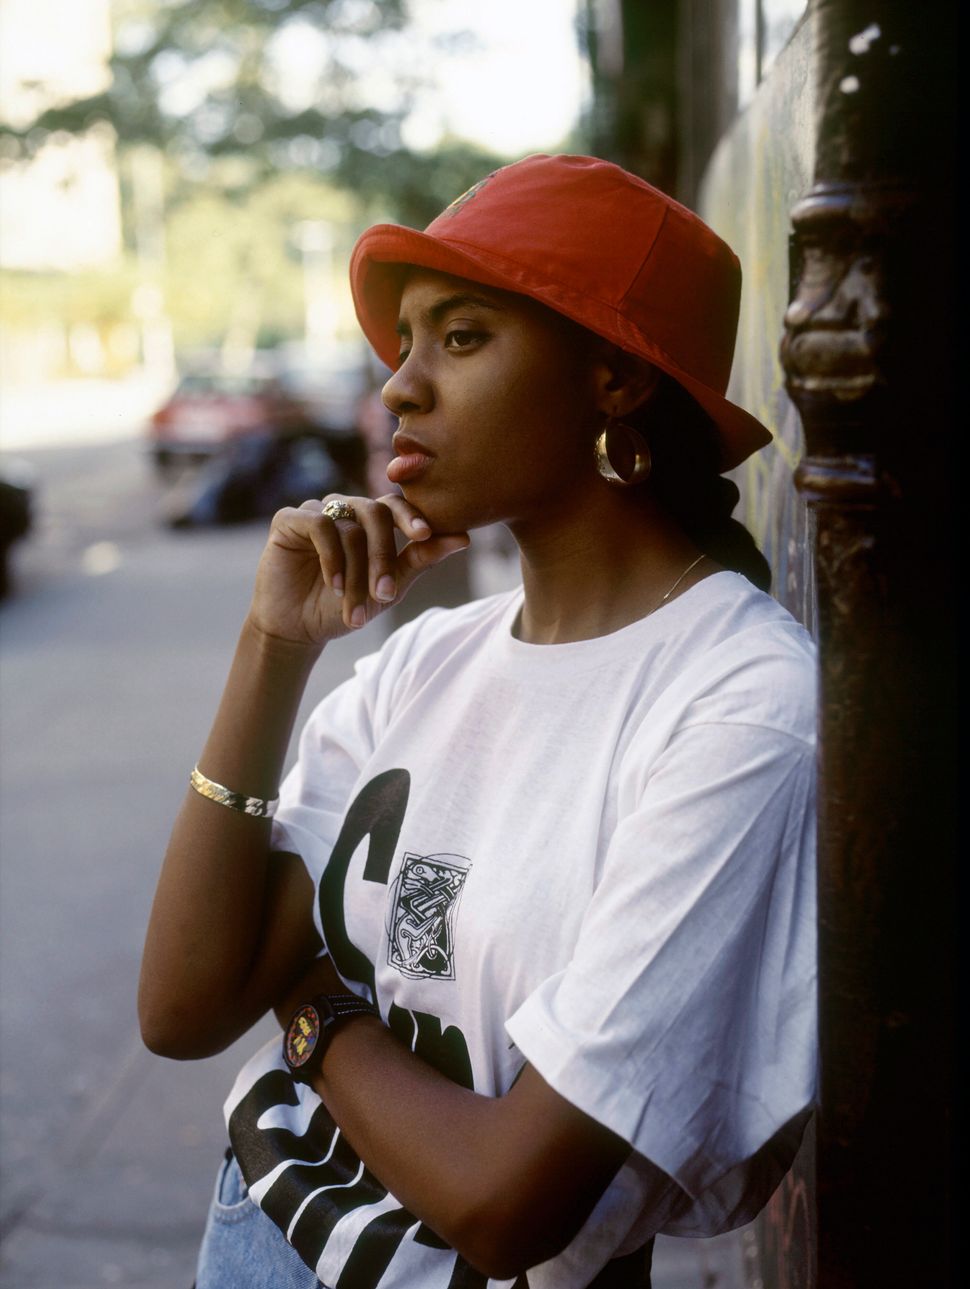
[60,210]
[819,139]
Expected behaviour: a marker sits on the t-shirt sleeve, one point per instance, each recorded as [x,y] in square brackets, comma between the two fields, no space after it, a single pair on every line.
[336,742]
[685,1020]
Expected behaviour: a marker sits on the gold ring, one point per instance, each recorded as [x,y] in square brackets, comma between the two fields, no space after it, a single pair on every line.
[339,510]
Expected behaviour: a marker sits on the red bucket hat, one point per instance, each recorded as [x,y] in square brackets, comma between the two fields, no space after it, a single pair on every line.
[595,243]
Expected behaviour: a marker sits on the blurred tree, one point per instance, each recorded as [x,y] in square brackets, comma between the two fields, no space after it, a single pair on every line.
[252,278]
[232,267]
[632,51]
[320,86]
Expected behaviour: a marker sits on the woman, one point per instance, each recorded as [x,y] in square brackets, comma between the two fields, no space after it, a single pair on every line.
[557,843]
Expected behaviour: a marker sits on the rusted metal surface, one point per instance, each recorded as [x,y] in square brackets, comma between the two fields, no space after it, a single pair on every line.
[865,353]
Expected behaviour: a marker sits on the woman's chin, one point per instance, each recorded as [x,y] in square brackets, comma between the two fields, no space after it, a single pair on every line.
[446,514]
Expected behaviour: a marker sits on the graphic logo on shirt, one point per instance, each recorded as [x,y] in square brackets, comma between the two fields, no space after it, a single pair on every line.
[455,206]
[423,905]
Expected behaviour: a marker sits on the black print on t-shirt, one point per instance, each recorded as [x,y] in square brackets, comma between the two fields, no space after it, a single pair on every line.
[320,1179]
[377,813]
[424,902]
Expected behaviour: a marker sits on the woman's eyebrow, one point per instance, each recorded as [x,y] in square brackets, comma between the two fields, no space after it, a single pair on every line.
[435,312]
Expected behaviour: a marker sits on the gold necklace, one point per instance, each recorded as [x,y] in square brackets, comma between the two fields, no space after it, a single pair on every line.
[692,564]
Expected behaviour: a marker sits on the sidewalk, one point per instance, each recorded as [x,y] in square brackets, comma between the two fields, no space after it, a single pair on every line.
[72,413]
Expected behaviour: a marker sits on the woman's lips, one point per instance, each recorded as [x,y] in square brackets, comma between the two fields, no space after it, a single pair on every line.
[411,460]
[408,466]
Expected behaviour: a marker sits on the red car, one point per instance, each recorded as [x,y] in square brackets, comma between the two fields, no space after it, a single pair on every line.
[209,409]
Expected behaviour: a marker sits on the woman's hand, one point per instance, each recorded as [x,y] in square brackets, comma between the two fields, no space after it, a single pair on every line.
[319,578]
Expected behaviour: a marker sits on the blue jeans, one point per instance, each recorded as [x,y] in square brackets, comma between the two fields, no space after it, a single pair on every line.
[242,1248]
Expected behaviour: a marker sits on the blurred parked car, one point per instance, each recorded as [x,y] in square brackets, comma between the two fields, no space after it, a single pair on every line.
[16,502]
[329,382]
[210,408]
[331,386]
[254,476]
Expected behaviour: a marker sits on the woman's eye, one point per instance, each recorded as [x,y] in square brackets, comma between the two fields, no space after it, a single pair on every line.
[462,338]
[402,357]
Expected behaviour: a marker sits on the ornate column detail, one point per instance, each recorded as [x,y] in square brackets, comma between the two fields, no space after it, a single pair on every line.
[864,334]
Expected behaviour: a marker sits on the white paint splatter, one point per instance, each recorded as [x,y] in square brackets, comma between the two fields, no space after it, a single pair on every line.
[860,42]
[849,84]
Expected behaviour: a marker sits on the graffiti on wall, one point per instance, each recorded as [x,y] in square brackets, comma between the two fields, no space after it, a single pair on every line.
[760,168]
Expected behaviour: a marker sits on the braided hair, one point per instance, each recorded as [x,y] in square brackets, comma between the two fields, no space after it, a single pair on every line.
[687,483]
[685,479]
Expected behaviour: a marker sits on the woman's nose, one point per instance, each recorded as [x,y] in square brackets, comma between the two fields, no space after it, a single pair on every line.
[407,390]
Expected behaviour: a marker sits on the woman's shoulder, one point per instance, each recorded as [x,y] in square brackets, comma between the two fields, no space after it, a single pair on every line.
[737,655]
[440,630]
[727,615]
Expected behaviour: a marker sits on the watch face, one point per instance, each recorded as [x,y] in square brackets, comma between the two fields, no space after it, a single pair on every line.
[302,1037]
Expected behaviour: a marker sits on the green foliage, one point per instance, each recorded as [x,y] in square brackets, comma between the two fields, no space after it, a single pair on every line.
[227,258]
[203,81]
[94,296]
[224,149]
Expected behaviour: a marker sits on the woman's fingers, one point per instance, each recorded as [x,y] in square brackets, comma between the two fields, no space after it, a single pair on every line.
[358,552]
[424,549]
[322,533]
[407,518]
[359,558]
[378,522]
[355,599]
[417,557]
[364,572]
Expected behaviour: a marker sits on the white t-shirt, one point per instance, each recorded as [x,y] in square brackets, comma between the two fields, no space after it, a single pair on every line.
[596,857]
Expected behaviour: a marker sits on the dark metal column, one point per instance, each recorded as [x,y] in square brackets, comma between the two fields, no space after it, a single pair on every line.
[868,356]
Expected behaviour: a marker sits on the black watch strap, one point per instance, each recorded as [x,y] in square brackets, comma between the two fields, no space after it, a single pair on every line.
[347,1005]
[308,1033]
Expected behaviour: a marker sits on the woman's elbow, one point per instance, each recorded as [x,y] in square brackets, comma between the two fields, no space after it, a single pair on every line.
[502,1241]
[174,1046]
[172,1032]
[165,1039]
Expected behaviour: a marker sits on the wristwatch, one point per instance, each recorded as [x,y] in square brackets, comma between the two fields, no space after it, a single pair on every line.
[306,1037]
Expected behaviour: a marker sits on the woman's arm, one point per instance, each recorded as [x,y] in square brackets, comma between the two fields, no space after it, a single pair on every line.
[506,1181]
[231,926]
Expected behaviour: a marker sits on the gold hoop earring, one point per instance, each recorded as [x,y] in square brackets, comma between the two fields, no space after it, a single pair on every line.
[622,454]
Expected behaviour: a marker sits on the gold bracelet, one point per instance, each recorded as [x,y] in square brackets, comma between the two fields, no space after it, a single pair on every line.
[255,806]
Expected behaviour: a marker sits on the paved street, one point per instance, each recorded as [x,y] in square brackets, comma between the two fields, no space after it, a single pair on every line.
[114,646]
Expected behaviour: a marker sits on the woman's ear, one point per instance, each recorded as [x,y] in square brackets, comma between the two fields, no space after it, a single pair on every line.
[624,381]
